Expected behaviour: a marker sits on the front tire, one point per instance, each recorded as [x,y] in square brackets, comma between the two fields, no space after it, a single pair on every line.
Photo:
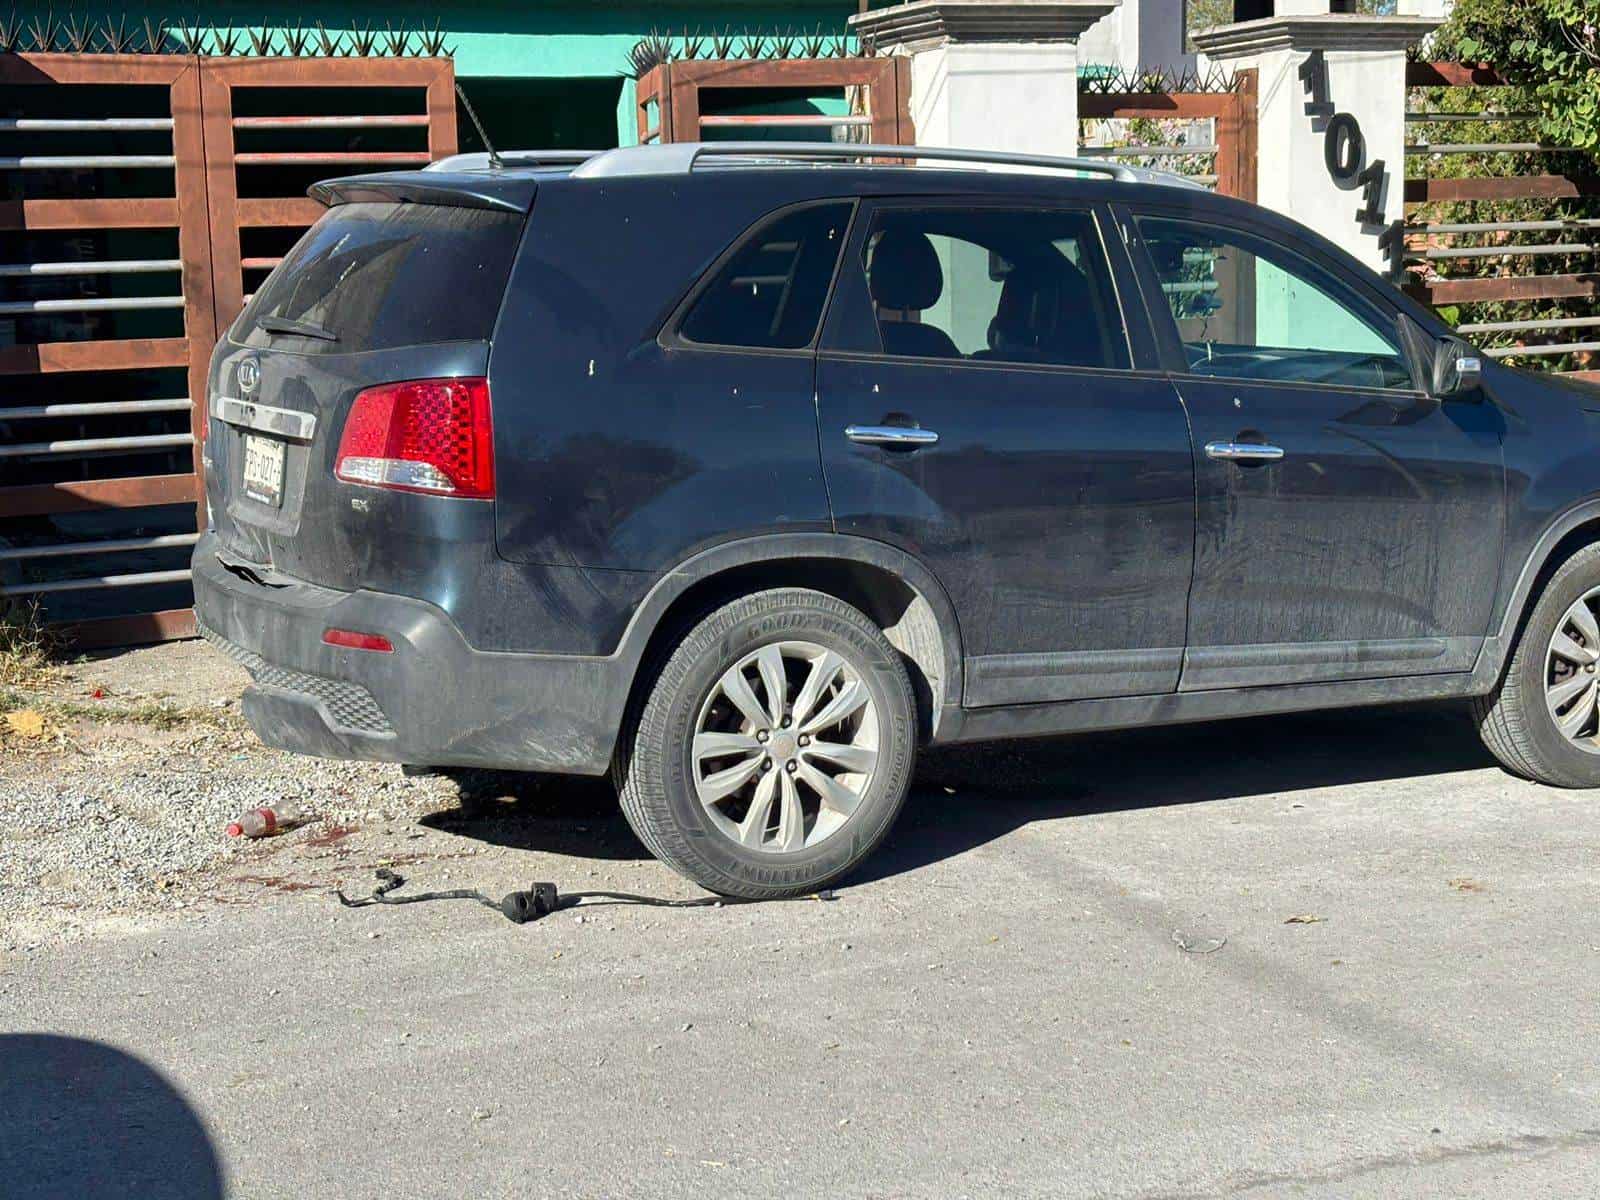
[1543,720]
[774,749]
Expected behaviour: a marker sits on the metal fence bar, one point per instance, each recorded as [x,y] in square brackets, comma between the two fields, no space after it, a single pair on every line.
[324,157]
[1441,117]
[778,121]
[1483,148]
[120,445]
[1555,226]
[1439,252]
[94,582]
[1541,351]
[90,125]
[72,549]
[401,121]
[123,266]
[259,264]
[93,409]
[1537,323]
[12,308]
[59,162]
[1141,151]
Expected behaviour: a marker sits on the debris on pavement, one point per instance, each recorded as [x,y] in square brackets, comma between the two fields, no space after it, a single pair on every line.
[1197,943]
[1303,919]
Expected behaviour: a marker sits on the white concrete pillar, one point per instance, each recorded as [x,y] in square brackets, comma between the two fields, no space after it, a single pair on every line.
[989,74]
[1331,111]
[1141,35]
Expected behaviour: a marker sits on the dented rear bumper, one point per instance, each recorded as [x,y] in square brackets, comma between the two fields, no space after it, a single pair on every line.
[435,701]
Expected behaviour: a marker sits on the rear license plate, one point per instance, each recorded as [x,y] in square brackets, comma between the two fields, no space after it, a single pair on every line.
[263,469]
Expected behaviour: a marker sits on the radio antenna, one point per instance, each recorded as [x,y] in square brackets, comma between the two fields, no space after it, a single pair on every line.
[494,155]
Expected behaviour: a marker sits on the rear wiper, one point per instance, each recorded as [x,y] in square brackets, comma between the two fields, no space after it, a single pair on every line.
[302,328]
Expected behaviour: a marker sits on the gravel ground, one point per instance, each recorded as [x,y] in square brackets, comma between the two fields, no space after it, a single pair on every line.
[118,813]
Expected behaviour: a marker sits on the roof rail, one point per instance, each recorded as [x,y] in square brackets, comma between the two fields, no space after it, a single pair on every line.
[514,158]
[680,158]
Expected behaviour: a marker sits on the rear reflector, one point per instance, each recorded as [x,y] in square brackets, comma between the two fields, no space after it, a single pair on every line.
[424,435]
[352,640]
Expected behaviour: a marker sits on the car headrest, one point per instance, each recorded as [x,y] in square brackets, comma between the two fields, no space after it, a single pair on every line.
[906,271]
[1045,312]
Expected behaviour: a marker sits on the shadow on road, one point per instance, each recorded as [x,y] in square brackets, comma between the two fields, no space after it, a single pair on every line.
[965,796]
[81,1119]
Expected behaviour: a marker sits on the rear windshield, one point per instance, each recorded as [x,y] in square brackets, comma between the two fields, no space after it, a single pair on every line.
[380,276]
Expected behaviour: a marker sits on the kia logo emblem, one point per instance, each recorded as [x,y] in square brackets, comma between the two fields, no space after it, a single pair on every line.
[249,376]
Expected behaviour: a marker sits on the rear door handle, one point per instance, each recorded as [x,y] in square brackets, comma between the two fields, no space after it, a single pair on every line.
[1243,451]
[891,435]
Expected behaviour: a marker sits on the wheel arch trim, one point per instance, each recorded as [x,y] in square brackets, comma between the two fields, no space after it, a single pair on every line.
[1498,645]
[776,548]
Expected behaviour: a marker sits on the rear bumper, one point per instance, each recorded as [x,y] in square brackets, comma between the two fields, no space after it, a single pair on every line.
[435,701]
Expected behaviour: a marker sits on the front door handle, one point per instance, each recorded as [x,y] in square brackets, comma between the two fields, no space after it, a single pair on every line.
[891,435]
[1243,451]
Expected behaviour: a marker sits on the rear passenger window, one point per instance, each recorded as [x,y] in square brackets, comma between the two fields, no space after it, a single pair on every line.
[377,276]
[994,285]
[770,293]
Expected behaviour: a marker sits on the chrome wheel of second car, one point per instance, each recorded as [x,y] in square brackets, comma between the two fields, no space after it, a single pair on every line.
[1572,672]
[785,747]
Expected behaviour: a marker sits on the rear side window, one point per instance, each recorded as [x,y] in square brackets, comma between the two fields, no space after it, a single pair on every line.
[381,276]
[769,294]
[994,285]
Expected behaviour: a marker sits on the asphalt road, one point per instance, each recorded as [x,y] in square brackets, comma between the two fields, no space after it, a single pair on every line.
[998,1007]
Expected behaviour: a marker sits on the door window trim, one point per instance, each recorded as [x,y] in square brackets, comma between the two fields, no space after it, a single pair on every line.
[670,336]
[1095,210]
[1165,324]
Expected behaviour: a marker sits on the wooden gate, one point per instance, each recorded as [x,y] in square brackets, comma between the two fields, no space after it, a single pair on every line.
[677,101]
[125,254]
[1231,152]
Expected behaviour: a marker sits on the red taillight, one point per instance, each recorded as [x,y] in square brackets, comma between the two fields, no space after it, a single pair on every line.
[352,640]
[424,435]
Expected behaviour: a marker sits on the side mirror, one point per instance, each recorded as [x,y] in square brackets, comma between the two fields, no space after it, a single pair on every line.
[1457,370]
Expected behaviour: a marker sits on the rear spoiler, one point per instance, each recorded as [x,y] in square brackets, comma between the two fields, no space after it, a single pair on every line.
[500,193]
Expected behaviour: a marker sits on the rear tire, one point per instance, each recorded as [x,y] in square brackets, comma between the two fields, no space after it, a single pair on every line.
[1517,721]
[760,799]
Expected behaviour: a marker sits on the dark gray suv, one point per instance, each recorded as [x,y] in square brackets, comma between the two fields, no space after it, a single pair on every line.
[741,471]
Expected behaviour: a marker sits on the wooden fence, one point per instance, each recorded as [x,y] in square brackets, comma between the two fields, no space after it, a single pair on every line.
[125,255]
[1527,222]
[692,100]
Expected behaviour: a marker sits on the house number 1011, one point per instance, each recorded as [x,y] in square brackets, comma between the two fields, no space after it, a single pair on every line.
[1344,150]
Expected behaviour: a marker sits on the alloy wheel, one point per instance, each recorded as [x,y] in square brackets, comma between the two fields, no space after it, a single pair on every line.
[785,747]
[1571,678]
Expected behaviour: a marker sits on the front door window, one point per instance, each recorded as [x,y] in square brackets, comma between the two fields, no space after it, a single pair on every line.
[1247,309]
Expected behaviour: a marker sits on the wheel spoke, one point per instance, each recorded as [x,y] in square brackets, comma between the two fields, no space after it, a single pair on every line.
[1570,650]
[737,689]
[822,672]
[719,745]
[1558,694]
[791,817]
[835,796]
[769,661]
[1580,615]
[1578,715]
[857,759]
[851,697]
[754,826]
[724,783]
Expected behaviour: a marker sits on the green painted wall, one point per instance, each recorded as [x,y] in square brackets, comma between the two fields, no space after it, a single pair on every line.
[500,39]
